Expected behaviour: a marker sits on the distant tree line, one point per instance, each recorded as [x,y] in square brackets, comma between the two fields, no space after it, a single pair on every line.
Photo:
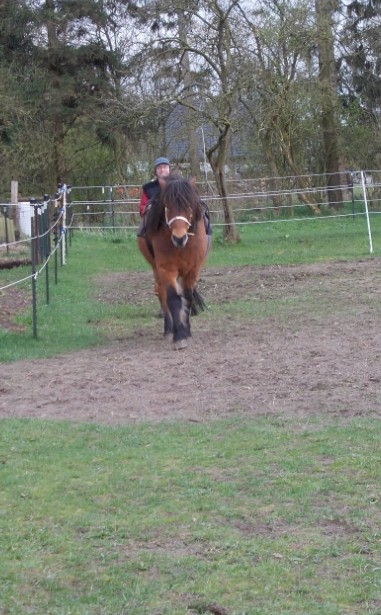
[93,90]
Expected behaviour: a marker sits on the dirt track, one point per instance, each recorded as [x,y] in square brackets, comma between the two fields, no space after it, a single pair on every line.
[320,356]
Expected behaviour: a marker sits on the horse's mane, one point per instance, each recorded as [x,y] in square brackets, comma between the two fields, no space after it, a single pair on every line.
[179,195]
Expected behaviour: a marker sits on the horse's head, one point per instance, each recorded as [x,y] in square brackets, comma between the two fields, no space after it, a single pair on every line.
[181,205]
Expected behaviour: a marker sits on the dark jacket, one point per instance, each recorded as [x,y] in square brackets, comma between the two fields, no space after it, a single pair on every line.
[149,191]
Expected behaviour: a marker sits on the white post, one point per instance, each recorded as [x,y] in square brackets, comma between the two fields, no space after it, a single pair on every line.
[367,212]
[14,211]
[63,230]
[14,192]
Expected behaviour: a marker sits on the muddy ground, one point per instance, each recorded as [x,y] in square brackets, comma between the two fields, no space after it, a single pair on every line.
[320,355]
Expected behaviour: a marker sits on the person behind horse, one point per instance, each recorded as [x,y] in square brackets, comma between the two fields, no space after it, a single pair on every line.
[151,192]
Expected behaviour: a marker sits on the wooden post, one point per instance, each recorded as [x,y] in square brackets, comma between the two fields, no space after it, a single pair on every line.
[14,191]
[13,212]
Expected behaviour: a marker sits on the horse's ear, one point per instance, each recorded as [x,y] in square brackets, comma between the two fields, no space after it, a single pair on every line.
[192,181]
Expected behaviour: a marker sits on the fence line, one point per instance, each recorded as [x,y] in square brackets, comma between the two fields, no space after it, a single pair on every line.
[47,218]
[58,217]
[259,206]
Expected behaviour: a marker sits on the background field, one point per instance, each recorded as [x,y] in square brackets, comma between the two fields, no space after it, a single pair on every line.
[239,477]
[74,300]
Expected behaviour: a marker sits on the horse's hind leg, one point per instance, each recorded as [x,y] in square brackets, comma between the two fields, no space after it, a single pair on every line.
[148,255]
[179,309]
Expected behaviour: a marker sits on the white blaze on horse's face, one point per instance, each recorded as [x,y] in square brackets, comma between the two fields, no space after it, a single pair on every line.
[179,227]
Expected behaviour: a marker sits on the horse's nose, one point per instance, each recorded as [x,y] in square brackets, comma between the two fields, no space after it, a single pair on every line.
[180,242]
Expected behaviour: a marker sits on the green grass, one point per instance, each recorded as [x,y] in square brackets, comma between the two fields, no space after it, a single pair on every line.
[256,517]
[72,319]
[295,242]
[76,319]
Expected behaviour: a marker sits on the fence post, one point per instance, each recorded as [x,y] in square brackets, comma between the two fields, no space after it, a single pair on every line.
[47,244]
[5,212]
[14,201]
[56,216]
[367,212]
[59,203]
[34,256]
[40,227]
[104,207]
[112,212]
[69,212]
[351,186]
[62,191]
[35,234]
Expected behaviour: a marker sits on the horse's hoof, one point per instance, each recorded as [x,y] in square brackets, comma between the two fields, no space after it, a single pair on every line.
[180,345]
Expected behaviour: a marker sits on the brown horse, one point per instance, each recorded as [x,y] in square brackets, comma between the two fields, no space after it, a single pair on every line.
[175,244]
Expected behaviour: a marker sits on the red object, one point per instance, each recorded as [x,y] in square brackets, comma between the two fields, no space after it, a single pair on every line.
[143,203]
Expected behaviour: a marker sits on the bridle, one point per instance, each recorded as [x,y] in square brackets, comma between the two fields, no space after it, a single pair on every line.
[169,222]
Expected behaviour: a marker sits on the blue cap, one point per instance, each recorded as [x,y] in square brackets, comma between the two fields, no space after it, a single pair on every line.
[160,161]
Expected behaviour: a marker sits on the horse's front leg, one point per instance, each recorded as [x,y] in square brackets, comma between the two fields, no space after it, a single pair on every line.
[187,304]
[168,322]
[178,306]
[168,325]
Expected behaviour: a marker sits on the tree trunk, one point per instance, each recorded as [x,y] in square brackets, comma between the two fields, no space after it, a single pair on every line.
[58,159]
[274,180]
[302,180]
[217,159]
[329,101]
[190,116]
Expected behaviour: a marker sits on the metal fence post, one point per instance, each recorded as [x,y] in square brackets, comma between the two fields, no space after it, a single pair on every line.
[47,245]
[112,211]
[69,210]
[5,212]
[56,231]
[34,256]
[363,182]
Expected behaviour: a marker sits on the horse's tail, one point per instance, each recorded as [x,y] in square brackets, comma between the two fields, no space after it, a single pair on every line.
[198,304]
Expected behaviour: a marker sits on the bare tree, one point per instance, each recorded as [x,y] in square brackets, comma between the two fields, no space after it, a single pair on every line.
[279,87]
[188,92]
[196,36]
[329,100]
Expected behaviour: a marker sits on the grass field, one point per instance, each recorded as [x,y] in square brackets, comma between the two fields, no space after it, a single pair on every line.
[74,304]
[269,516]
[258,517]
